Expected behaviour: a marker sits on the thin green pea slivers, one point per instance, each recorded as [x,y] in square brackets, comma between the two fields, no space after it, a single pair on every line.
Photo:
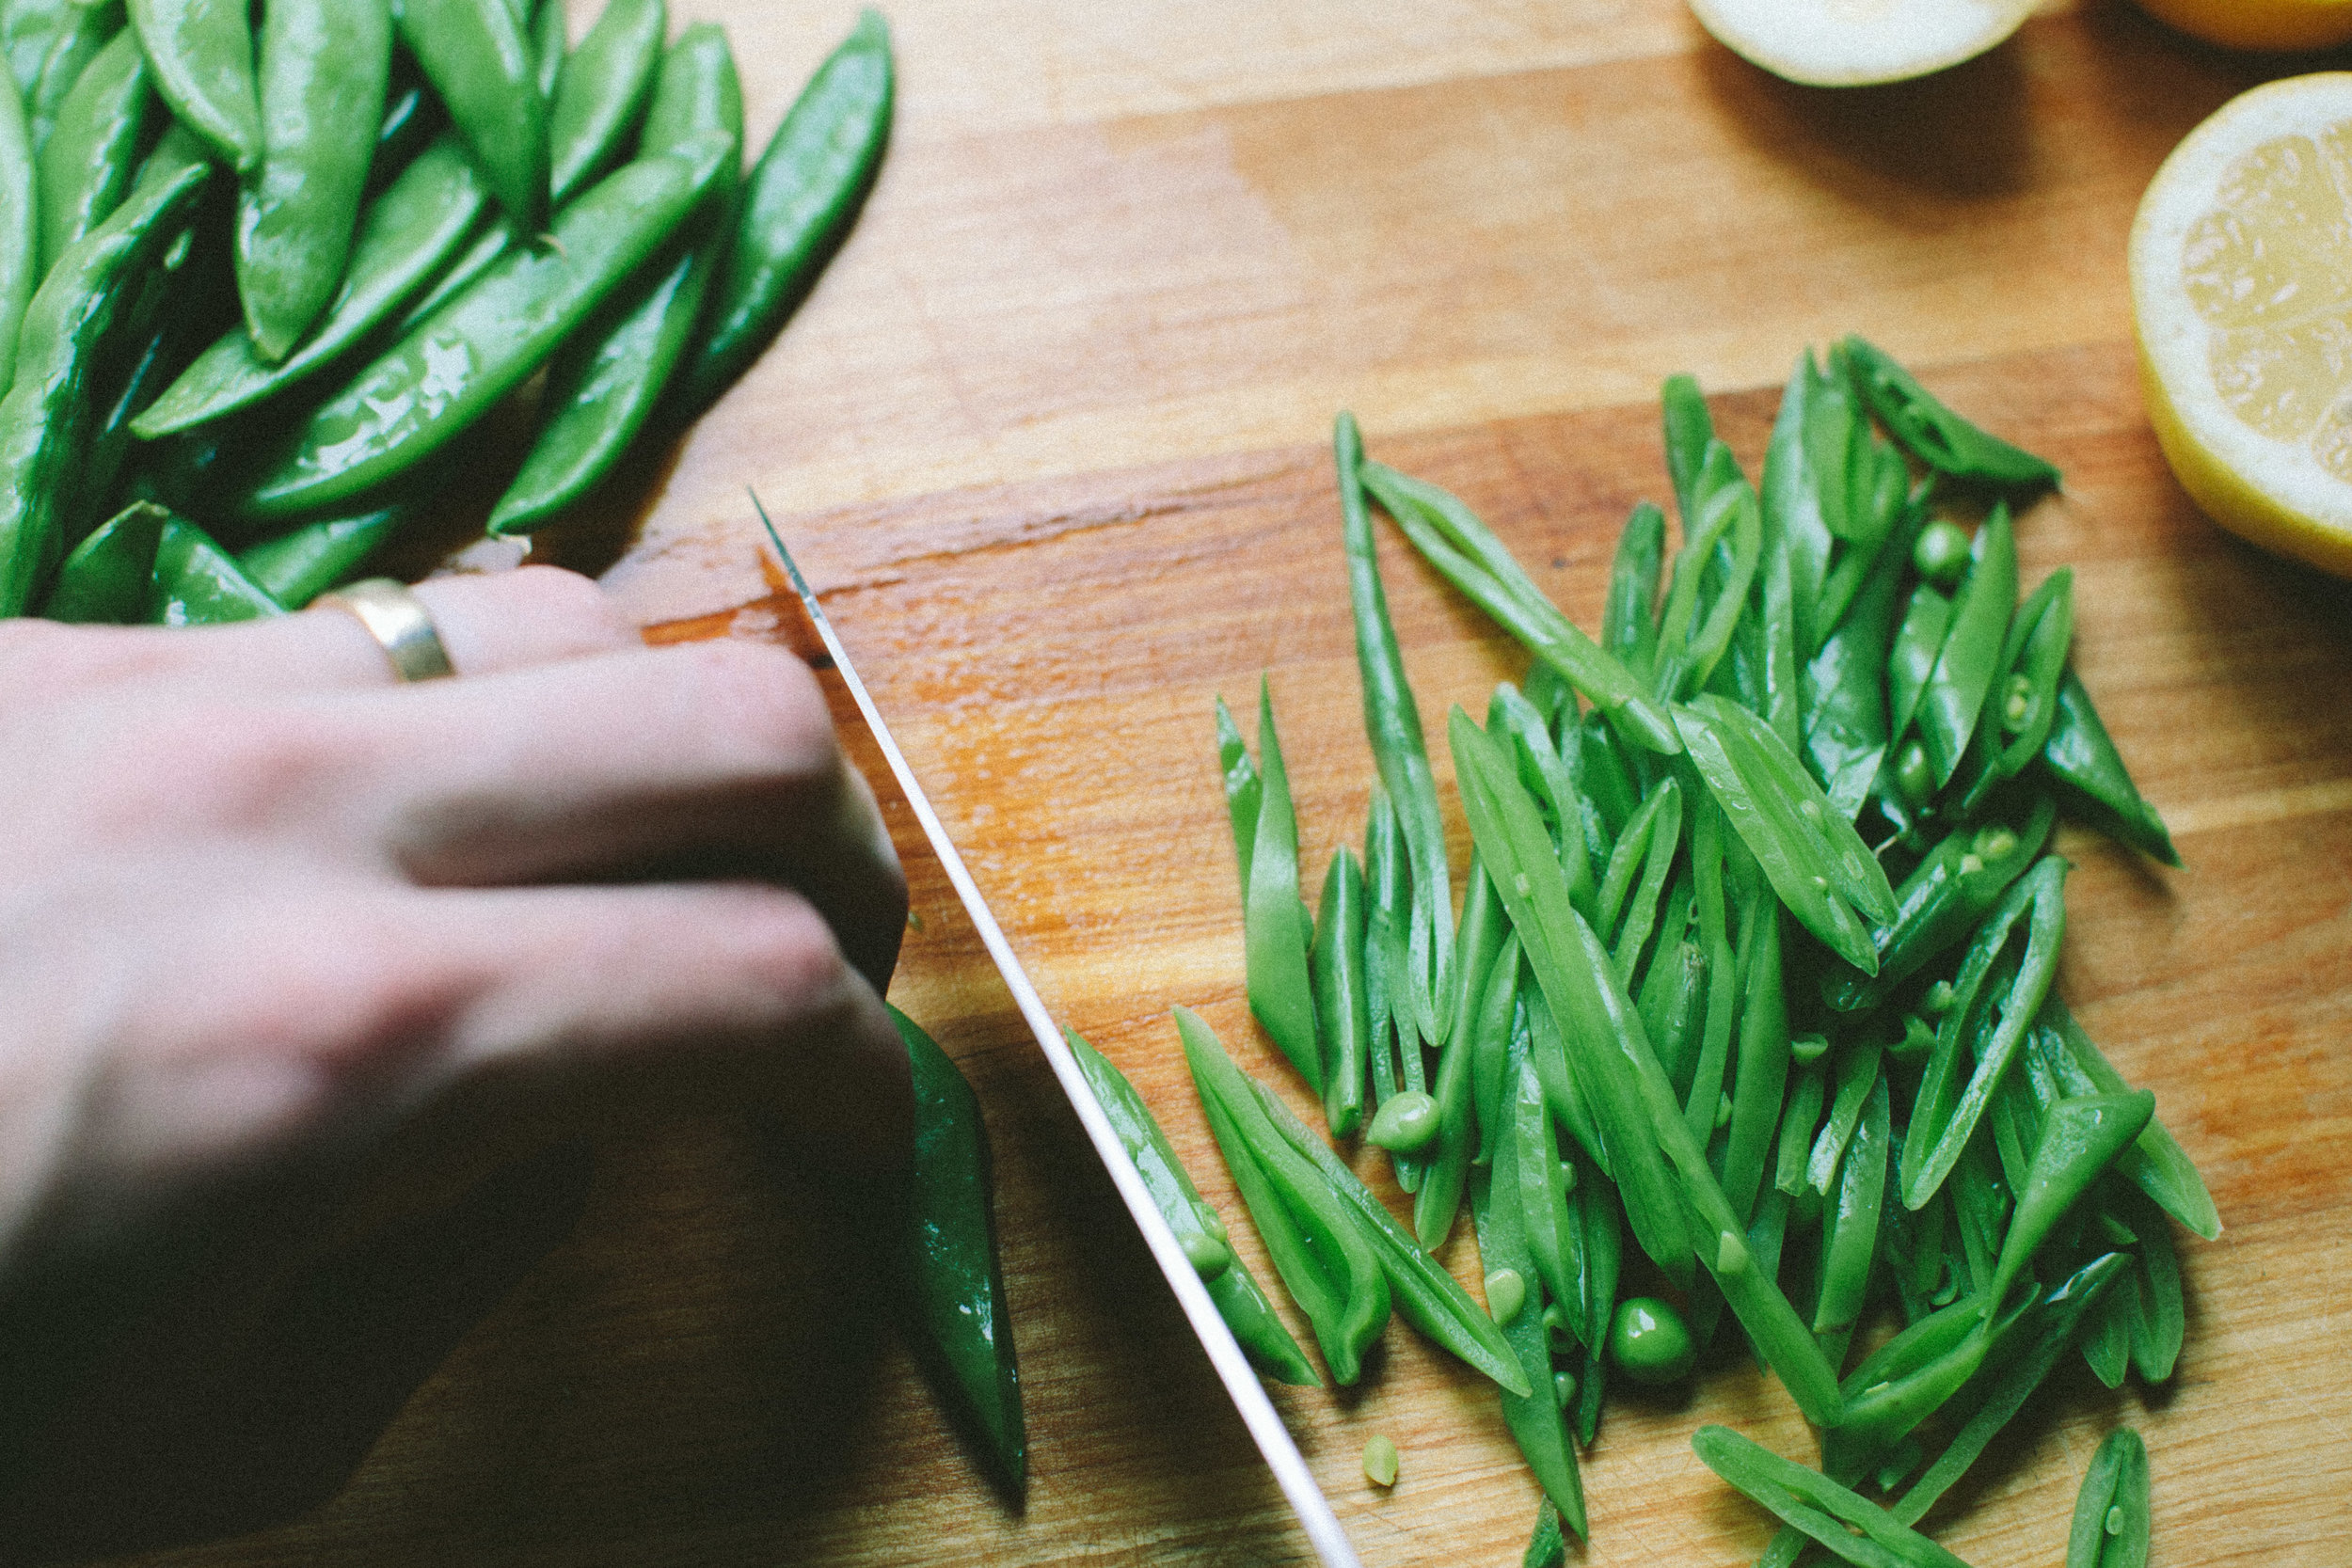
[1817,1505]
[2110,1524]
[1971,656]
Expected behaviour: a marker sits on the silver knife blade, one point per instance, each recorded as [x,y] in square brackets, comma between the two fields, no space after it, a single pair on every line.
[1324,1532]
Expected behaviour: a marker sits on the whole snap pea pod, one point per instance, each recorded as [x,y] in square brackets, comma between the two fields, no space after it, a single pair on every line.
[89,158]
[958,1321]
[2110,1524]
[475,55]
[201,53]
[797,203]
[411,118]
[323,69]
[461,359]
[107,578]
[28,28]
[1240,1300]
[406,236]
[200,584]
[87,30]
[48,415]
[602,92]
[19,231]
[2093,783]
[296,567]
[604,386]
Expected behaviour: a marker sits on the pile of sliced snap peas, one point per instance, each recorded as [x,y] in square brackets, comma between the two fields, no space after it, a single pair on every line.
[261,284]
[1752,965]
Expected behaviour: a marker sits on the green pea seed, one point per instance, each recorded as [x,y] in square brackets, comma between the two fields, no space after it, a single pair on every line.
[1807,1049]
[1506,1293]
[1649,1342]
[1380,1460]
[1564,1389]
[1731,1254]
[1405,1122]
[2017,703]
[1938,1000]
[1995,842]
[1914,775]
[1208,1256]
[1941,556]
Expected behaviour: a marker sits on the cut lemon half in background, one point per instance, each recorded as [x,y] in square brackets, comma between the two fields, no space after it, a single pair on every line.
[2258,23]
[2241,271]
[1853,43]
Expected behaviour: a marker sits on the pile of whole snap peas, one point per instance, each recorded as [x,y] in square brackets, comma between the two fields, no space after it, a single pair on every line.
[1753,964]
[260,285]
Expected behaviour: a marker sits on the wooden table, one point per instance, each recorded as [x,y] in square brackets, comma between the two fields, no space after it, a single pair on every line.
[1051,437]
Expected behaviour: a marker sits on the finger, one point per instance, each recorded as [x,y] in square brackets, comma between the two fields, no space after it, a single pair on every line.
[514,1017]
[487,623]
[696,760]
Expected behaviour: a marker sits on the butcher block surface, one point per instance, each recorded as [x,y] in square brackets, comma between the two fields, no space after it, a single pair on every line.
[1051,440]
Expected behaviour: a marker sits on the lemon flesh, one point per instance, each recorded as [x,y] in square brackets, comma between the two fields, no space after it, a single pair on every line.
[1848,43]
[2241,271]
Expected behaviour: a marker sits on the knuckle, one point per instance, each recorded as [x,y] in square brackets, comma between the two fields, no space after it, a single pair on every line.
[233,767]
[571,607]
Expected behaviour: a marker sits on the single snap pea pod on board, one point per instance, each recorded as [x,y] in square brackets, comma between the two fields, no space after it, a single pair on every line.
[201,53]
[324,66]
[1932,432]
[200,584]
[406,238]
[88,160]
[454,364]
[958,1321]
[88,29]
[797,204]
[2110,1524]
[2093,783]
[108,577]
[49,414]
[601,92]
[19,228]
[296,567]
[475,55]
[1240,1300]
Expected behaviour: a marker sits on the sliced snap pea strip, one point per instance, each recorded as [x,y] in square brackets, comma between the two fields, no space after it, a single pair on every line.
[2160,1325]
[1689,430]
[1811,855]
[1857,1071]
[1689,646]
[1637,1106]
[200,584]
[1784,701]
[88,160]
[1545,1547]
[601,92]
[19,231]
[2023,702]
[1943,899]
[1539,1182]
[797,204]
[405,236]
[325,67]
[2094,784]
[1928,430]
[1797,1122]
[48,415]
[2080,1138]
[1277,932]
[1927,620]
[1790,493]
[108,576]
[1244,792]
[1343,1003]
[1760,1080]
[1241,1301]
[1657,821]
[1971,655]
[1419,1286]
[476,55]
[1384,895]
[957,1319]
[1543,770]
[1466,552]
[2111,1513]
[1480,941]
[1657,863]
[1319,1245]
[1886,509]
[1845,717]
[1817,1505]
[1628,624]
[1492,1027]
[1943,1117]
[604,388]
[296,567]
[461,359]
[1535,1419]
[1399,752]
[201,53]
[1851,1228]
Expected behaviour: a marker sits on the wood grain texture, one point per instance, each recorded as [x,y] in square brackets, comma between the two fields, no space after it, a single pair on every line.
[1050,437]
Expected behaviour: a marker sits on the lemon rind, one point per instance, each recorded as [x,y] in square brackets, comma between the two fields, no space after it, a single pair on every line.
[1803,41]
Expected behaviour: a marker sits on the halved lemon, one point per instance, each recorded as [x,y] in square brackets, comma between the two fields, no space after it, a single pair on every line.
[2241,271]
[2258,23]
[1851,43]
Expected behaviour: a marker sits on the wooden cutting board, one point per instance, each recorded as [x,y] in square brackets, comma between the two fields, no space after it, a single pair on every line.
[1051,438]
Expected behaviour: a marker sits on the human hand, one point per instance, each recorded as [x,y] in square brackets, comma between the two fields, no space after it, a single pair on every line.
[270,922]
